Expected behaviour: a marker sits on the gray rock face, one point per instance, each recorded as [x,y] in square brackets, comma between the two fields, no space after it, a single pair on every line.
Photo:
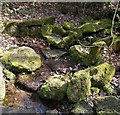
[21,58]
[82,108]
[53,53]
[59,65]
[108,105]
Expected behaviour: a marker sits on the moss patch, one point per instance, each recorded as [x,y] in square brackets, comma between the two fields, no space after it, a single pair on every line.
[54,88]
[82,108]
[79,86]
[21,58]
[108,105]
[102,75]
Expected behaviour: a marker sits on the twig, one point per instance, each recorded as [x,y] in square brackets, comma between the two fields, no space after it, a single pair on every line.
[113,22]
[112,35]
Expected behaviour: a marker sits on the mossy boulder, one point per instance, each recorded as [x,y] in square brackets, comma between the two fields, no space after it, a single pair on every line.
[95,53]
[102,76]
[107,105]
[54,88]
[82,108]
[59,37]
[21,58]
[79,86]
[77,53]
[90,57]
[31,28]
[95,26]
[2,85]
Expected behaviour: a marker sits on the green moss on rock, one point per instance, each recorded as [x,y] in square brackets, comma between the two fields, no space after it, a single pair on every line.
[58,30]
[88,58]
[95,53]
[79,86]
[77,53]
[11,28]
[68,26]
[21,58]
[54,88]
[82,108]
[31,28]
[107,105]
[102,76]
[95,26]
[95,89]
[69,40]
[9,74]
[53,39]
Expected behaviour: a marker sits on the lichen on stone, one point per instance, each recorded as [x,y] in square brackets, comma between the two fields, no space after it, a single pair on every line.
[107,105]
[53,39]
[82,108]
[95,53]
[8,74]
[90,57]
[77,53]
[58,30]
[102,76]
[29,28]
[54,88]
[21,58]
[79,86]
[94,26]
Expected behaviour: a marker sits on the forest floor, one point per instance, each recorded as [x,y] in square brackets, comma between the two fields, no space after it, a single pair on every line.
[18,98]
